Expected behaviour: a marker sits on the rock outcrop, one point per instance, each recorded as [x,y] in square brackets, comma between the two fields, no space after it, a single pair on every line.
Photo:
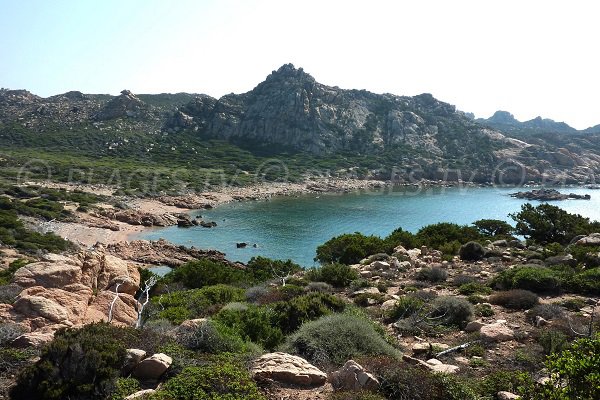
[287,369]
[65,291]
[352,377]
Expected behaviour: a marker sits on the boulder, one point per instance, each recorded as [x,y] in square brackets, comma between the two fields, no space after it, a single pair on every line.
[288,369]
[590,240]
[473,326]
[507,396]
[152,367]
[142,394]
[561,260]
[432,365]
[132,358]
[352,377]
[33,339]
[496,332]
[369,290]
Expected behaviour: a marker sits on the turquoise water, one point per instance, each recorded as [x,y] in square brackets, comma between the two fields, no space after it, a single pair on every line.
[293,227]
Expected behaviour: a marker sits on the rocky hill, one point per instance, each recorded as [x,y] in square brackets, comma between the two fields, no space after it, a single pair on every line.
[290,113]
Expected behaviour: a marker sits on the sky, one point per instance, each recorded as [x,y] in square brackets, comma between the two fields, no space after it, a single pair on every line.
[527,57]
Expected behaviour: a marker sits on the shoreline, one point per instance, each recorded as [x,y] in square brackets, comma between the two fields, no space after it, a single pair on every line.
[88,229]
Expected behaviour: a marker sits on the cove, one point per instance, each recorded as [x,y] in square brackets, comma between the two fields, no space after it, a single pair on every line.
[292,227]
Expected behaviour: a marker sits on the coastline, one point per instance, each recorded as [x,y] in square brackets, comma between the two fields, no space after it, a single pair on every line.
[90,228]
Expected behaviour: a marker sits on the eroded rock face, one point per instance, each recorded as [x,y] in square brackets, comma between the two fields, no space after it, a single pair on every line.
[288,369]
[70,291]
[352,376]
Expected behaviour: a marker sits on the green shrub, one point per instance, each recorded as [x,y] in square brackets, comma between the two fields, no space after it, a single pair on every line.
[452,310]
[432,274]
[368,299]
[516,299]
[338,275]
[547,224]
[471,251]
[197,274]
[337,338]
[188,304]
[552,341]
[349,248]
[534,278]
[355,395]
[400,237]
[213,337]
[78,363]
[573,373]
[546,311]
[586,282]
[289,315]
[219,381]
[437,235]
[253,324]
[263,269]
[503,380]
[405,307]
[400,380]
[586,255]
[484,310]
[474,288]
[493,227]
[124,387]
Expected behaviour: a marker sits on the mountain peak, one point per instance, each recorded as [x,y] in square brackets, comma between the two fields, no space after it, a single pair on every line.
[503,117]
[289,71]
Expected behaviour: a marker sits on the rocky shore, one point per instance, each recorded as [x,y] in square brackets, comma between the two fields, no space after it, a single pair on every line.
[549,195]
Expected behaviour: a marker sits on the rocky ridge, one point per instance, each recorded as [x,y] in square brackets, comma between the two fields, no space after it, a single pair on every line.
[291,112]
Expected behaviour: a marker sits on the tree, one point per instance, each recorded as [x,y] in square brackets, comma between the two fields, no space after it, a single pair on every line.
[547,224]
[493,227]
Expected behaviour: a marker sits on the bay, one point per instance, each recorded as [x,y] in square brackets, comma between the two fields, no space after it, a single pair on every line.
[292,227]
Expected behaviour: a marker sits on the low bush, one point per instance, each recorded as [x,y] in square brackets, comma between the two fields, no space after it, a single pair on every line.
[263,269]
[289,315]
[253,324]
[585,282]
[432,274]
[573,373]
[438,235]
[213,337]
[124,387]
[336,338]
[197,274]
[188,304]
[400,380]
[516,299]
[493,227]
[484,310]
[503,380]
[586,255]
[535,278]
[355,395]
[320,287]
[368,299]
[349,248]
[78,363]
[405,307]
[451,310]
[546,311]
[471,251]
[218,381]
[474,288]
[552,341]
[335,274]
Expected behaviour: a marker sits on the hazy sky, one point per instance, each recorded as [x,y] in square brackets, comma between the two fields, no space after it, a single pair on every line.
[528,57]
